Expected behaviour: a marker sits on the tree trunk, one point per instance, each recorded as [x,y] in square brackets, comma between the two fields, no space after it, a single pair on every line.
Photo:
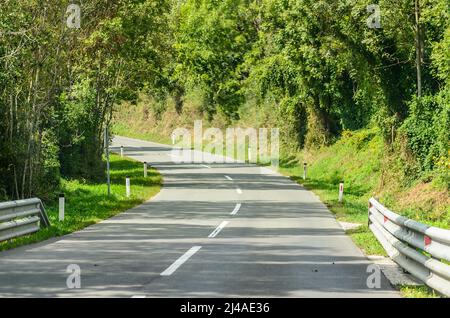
[178,97]
[419,48]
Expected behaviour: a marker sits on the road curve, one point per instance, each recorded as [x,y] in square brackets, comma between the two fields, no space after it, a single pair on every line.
[214,230]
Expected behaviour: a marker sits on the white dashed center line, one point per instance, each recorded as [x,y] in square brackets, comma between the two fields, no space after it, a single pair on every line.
[236,209]
[206,166]
[172,268]
[228,178]
[218,229]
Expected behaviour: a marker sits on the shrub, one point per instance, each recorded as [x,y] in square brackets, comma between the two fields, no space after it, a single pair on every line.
[427,130]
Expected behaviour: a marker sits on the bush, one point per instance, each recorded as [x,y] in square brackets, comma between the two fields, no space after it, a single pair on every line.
[427,131]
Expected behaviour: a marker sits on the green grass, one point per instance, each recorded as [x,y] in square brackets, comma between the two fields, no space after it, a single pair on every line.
[417,292]
[127,131]
[88,203]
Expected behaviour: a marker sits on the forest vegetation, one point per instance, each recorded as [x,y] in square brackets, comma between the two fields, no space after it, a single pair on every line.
[317,69]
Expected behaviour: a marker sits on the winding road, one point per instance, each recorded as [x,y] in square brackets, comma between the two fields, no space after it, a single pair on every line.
[214,230]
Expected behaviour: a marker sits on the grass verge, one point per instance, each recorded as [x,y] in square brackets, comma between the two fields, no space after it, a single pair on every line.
[88,203]
[126,131]
[417,292]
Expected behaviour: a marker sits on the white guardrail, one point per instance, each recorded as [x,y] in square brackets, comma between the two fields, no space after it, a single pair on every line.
[21,217]
[421,250]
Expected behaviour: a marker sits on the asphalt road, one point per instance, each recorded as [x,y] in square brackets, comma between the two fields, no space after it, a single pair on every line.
[215,230]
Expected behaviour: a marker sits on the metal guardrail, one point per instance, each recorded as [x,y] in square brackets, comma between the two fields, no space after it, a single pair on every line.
[21,217]
[421,250]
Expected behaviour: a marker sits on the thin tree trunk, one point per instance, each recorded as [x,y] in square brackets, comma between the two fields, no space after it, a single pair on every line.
[24,179]
[419,48]
[30,179]
[16,184]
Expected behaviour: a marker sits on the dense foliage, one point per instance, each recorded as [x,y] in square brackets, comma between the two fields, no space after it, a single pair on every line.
[323,70]
[58,84]
[316,63]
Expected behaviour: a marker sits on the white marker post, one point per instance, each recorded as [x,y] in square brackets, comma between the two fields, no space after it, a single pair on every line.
[304,170]
[61,206]
[249,152]
[127,186]
[173,139]
[121,151]
[341,191]
[145,169]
